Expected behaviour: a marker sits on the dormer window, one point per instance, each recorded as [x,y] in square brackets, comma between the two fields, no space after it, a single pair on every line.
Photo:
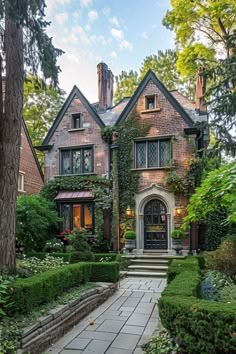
[76,121]
[150,102]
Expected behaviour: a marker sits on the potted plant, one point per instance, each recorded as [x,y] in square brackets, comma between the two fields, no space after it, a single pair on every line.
[177,240]
[130,240]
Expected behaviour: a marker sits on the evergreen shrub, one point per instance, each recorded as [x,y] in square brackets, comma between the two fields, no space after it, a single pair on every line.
[197,325]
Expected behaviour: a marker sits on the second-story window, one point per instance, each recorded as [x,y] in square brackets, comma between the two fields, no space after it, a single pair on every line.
[77,161]
[150,102]
[76,121]
[153,153]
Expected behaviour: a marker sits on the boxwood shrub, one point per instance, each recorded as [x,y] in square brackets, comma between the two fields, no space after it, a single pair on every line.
[198,325]
[107,272]
[42,288]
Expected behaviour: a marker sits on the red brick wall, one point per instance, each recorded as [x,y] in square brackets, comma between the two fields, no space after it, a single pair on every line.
[63,138]
[33,181]
[167,121]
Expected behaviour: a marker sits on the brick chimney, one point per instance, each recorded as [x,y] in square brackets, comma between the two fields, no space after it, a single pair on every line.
[105,86]
[200,91]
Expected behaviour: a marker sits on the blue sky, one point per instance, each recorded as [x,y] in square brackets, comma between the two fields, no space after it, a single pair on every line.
[120,33]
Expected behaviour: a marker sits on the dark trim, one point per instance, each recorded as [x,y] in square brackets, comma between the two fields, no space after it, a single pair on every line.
[190,131]
[161,137]
[43,147]
[151,76]
[75,92]
[32,149]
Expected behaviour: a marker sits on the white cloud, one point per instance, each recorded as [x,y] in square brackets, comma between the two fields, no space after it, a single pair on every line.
[70,39]
[85,2]
[75,14]
[61,18]
[73,58]
[144,35]
[92,15]
[106,11]
[154,26]
[88,27]
[117,34]
[126,45]
[82,35]
[114,21]
[113,54]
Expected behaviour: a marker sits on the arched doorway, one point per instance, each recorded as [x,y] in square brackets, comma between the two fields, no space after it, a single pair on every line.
[155,225]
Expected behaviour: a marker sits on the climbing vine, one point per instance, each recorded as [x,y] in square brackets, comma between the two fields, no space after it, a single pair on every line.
[128,179]
[98,186]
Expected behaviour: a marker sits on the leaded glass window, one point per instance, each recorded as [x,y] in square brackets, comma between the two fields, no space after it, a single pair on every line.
[66,162]
[78,215]
[141,155]
[153,153]
[164,153]
[87,167]
[77,161]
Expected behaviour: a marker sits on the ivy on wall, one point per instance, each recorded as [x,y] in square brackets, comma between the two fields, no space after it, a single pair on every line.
[126,132]
[100,188]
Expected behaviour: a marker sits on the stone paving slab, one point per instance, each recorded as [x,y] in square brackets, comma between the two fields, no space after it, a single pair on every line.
[121,325]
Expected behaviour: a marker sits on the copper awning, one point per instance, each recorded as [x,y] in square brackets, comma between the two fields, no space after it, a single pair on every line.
[74,195]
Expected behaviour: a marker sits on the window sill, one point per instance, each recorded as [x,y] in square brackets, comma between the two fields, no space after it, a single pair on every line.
[152,168]
[151,110]
[21,191]
[75,130]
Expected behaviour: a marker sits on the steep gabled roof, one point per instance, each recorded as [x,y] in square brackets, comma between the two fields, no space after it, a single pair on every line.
[151,76]
[75,92]
[32,148]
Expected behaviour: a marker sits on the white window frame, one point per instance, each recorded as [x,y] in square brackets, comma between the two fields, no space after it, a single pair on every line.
[21,181]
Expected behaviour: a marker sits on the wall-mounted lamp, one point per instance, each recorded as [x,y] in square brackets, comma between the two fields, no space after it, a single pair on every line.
[129,212]
[179,211]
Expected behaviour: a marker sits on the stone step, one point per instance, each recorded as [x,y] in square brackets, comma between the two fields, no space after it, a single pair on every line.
[150,261]
[149,267]
[146,274]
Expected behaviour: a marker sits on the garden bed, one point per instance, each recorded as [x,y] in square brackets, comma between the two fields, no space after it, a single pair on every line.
[198,325]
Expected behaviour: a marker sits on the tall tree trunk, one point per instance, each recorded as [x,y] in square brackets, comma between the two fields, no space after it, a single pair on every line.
[10,139]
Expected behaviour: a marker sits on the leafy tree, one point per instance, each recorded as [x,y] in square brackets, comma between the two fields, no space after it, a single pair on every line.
[217,191]
[23,41]
[163,64]
[41,105]
[207,21]
[126,84]
[36,222]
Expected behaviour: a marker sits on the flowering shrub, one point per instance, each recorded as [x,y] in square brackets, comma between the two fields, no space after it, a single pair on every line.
[105,259]
[54,245]
[28,266]
[218,287]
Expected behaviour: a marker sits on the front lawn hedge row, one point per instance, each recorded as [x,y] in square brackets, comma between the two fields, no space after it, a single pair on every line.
[198,325]
[42,288]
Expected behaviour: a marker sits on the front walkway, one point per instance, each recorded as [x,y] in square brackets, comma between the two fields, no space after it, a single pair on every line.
[121,325]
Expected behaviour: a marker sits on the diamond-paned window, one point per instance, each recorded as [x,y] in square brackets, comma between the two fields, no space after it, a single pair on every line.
[141,155]
[165,154]
[153,153]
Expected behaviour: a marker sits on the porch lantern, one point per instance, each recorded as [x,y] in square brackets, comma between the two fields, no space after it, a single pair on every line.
[129,212]
[179,211]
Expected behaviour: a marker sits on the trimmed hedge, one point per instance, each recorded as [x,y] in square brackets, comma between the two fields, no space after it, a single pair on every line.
[108,272]
[44,287]
[198,325]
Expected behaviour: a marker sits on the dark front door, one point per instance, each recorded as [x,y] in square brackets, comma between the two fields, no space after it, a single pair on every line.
[155,225]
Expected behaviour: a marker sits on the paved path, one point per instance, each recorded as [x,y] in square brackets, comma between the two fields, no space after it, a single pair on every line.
[122,324]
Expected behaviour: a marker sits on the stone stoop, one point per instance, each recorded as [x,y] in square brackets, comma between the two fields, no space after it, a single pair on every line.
[148,265]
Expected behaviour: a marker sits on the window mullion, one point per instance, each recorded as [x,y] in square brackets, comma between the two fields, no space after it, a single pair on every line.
[147,162]
[158,153]
[82,161]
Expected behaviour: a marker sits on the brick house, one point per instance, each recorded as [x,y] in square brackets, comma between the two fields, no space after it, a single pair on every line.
[74,145]
[30,178]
